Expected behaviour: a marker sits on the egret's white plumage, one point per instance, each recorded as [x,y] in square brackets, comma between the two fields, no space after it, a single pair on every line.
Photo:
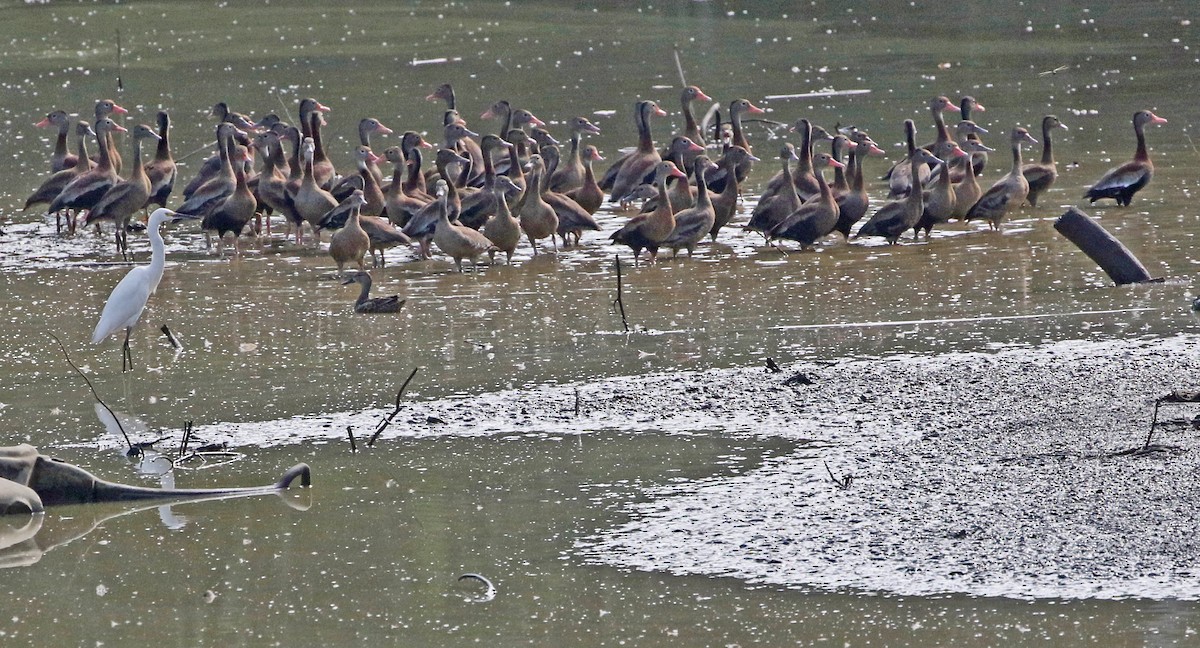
[127,301]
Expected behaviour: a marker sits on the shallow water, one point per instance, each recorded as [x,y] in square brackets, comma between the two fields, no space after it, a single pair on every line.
[270,338]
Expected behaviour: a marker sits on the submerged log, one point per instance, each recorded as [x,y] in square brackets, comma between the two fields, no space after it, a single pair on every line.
[1103,248]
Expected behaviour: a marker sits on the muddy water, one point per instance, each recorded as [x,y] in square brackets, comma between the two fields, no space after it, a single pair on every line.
[270,338]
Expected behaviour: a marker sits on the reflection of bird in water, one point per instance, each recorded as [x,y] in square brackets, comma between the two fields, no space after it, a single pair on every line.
[127,301]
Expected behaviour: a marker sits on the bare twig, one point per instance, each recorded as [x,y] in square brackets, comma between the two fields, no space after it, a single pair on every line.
[285,108]
[619,302]
[843,483]
[350,433]
[388,421]
[679,66]
[184,157]
[187,436]
[171,337]
[132,450]
[120,67]
[577,402]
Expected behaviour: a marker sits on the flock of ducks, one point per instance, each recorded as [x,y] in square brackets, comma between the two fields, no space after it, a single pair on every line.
[487,192]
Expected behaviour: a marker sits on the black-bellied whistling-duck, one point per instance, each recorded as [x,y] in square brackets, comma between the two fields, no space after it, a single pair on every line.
[444,92]
[630,170]
[220,185]
[694,223]
[538,219]
[1009,192]
[221,111]
[737,108]
[311,201]
[966,107]
[569,174]
[381,233]
[900,179]
[573,219]
[938,106]
[54,185]
[769,213]
[87,189]
[383,236]
[691,128]
[967,191]
[368,126]
[967,131]
[463,145]
[940,198]
[853,204]
[478,206]
[350,242]
[125,198]
[725,202]
[1122,182]
[895,218]
[323,170]
[458,241]
[839,146]
[648,231]
[502,229]
[1040,175]
[399,205]
[682,193]
[414,179]
[422,225]
[104,108]
[161,170]
[804,181]
[367,304]
[233,213]
[364,180]
[61,158]
[510,118]
[272,184]
[589,195]
[455,135]
[816,218]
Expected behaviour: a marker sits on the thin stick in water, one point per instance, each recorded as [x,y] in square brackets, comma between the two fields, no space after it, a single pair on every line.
[679,66]
[619,302]
[171,338]
[120,67]
[388,421]
[350,433]
[94,394]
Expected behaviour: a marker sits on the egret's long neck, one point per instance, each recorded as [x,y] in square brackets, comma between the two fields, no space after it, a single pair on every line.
[158,254]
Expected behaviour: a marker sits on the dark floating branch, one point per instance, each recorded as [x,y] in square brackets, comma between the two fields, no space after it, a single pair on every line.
[133,450]
[577,402]
[619,302]
[383,425]
[1103,248]
[350,433]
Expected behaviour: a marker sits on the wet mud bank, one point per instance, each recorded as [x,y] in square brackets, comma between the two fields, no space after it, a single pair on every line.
[992,474]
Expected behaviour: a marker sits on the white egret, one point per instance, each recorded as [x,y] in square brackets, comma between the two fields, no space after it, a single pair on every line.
[127,301]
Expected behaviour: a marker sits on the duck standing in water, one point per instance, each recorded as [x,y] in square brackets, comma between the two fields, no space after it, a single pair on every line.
[647,231]
[1122,182]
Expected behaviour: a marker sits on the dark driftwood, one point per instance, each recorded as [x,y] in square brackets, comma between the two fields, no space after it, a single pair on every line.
[1103,248]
